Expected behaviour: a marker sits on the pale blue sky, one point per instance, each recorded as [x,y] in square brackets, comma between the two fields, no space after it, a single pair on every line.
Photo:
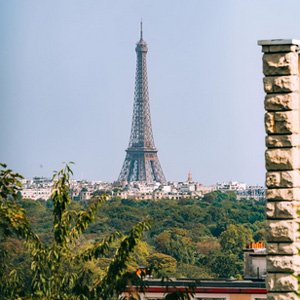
[67,81]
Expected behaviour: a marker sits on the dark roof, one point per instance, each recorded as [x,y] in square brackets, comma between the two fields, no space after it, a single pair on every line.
[206,283]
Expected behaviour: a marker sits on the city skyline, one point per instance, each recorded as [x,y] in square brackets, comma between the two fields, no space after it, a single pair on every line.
[67,78]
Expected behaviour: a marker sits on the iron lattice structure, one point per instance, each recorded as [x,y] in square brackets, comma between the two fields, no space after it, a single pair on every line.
[141,161]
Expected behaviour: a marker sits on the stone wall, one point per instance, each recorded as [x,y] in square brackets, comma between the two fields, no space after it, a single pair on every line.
[282,157]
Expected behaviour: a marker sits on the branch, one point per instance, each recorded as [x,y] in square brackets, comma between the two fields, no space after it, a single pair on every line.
[85,217]
[119,264]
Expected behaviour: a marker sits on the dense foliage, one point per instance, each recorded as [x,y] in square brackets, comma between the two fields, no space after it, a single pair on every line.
[195,238]
[56,263]
[61,249]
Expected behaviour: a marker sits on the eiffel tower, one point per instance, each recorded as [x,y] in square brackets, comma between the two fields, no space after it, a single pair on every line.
[141,161]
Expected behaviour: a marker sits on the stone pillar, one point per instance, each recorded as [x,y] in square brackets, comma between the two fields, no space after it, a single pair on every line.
[282,157]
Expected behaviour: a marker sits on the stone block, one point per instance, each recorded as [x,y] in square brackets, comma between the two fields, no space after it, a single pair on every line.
[272,248]
[290,178]
[282,249]
[282,159]
[286,122]
[277,102]
[265,49]
[270,209]
[273,179]
[282,296]
[281,283]
[291,194]
[281,210]
[286,210]
[283,264]
[284,179]
[280,63]
[288,249]
[281,84]
[282,141]
[281,231]
[283,48]
[270,122]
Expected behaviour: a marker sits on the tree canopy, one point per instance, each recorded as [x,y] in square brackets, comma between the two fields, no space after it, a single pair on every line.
[59,268]
[62,249]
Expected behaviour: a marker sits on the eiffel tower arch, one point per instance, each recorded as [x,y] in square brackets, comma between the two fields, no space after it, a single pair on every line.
[141,161]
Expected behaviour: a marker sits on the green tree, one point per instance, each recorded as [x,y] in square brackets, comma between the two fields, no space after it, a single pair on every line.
[11,279]
[58,269]
[178,244]
[225,265]
[163,263]
[140,255]
[234,239]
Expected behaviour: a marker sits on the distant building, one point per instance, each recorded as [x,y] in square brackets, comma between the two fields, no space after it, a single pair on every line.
[83,190]
[36,193]
[190,177]
[255,261]
[252,192]
[37,188]
[242,190]
[231,186]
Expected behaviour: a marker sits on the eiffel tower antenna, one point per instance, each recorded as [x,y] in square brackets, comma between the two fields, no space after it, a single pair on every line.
[141,161]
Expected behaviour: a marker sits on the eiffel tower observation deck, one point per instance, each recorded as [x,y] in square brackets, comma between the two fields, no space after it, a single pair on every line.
[141,162]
